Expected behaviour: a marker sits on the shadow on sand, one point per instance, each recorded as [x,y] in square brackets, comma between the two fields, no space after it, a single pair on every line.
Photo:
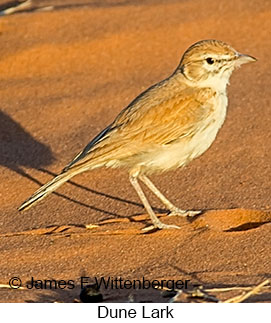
[19,149]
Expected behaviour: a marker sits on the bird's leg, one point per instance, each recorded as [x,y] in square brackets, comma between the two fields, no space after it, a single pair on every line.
[156,222]
[171,207]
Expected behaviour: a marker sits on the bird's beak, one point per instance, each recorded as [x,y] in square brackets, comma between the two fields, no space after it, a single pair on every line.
[244,59]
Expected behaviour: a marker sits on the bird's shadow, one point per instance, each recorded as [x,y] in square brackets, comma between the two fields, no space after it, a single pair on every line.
[20,150]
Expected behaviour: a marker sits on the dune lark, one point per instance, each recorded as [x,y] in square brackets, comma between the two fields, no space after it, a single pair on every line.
[165,127]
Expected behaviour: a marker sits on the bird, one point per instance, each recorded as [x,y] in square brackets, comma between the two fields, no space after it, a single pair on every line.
[164,128]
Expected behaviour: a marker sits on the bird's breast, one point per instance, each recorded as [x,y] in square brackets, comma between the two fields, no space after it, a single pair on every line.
[183,150]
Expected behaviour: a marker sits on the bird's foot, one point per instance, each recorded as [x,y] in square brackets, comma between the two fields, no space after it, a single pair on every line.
[178,212]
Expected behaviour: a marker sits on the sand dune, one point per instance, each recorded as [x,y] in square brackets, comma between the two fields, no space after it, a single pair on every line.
[64,75]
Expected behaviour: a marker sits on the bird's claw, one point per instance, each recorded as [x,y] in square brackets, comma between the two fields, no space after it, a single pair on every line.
[159,226]
[183,213]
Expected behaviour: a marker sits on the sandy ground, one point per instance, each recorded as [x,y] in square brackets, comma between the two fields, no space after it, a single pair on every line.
[64,75]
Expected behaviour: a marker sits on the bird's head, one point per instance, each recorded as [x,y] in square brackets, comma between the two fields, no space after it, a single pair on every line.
[209,63]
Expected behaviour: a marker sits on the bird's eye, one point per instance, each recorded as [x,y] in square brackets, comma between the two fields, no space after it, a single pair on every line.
[209,60]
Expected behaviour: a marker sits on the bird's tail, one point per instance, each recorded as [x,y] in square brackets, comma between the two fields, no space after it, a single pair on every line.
[48,188]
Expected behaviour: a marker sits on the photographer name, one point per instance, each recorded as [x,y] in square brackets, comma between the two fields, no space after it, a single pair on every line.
[106,283]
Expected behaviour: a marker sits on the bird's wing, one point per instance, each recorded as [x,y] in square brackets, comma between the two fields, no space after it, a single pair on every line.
[146,124]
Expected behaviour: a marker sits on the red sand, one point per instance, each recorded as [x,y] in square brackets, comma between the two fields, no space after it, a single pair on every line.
[64,76]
